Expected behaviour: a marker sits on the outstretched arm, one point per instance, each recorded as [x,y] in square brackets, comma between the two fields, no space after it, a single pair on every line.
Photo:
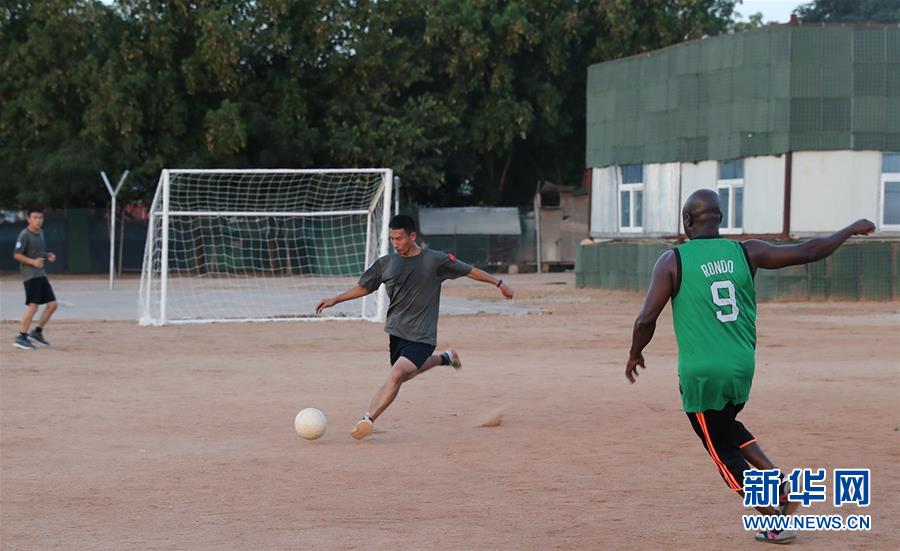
[356,292]
[771,257]
[481,275]
[661,286]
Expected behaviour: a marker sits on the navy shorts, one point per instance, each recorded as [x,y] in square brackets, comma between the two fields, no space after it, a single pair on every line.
[416,352]
[38,291]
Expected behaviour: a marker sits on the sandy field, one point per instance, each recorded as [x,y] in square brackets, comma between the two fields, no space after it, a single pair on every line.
[181,437]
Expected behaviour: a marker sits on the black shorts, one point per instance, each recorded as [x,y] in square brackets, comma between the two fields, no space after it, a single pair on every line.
[38,291]
[416,352]
[723,436]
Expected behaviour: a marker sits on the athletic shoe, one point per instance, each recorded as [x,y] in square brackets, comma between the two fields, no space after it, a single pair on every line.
[23,343]
[776,536]
[39,337]
[454,358]
[363,428]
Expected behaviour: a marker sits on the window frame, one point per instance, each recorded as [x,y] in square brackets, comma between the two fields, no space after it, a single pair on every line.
[631,188]
[732,184]
[885,178]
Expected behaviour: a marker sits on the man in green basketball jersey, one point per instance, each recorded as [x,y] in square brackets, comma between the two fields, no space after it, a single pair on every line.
[710,282]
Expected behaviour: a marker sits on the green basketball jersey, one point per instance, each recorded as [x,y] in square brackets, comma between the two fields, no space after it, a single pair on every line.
[715,324]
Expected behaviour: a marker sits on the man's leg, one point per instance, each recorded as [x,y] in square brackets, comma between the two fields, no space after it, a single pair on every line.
[402,371]
[755,455]
[716,429]
[444,358]
[49,308]
[38,333]
[725,439]
[21,340]
[30,311]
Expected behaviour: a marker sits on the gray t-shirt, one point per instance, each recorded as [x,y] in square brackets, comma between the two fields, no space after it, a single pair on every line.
[413,285]
[31,245]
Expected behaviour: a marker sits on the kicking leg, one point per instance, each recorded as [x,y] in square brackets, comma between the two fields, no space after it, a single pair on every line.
[719,432]
[432,361]
[402,371]
[450,357]
[754,454]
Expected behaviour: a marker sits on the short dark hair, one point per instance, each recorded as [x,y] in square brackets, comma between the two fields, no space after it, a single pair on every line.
[29,210]
[402,222]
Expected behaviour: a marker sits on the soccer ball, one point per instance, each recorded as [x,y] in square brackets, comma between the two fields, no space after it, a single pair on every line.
[310,423]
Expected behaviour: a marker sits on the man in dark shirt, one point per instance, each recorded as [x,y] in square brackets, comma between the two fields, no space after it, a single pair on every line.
[412,279]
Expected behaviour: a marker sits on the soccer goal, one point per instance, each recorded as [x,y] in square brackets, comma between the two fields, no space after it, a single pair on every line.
[262,245]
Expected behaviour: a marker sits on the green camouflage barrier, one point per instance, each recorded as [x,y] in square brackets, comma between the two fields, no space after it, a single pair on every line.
[760,92]
[866,270]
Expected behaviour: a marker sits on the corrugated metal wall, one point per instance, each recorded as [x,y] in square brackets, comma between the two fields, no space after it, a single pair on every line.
[760,92]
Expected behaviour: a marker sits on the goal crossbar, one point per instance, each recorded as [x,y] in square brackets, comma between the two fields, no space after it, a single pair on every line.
[264,213]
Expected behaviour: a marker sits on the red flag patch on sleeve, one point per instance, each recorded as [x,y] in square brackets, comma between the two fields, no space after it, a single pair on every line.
[451,257]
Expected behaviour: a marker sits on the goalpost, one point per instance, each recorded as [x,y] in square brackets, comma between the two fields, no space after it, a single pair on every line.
[263,245]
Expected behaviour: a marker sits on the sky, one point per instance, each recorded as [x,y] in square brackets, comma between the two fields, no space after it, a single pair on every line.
[774,11]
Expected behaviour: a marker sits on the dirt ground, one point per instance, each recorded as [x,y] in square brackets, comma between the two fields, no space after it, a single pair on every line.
[123,437]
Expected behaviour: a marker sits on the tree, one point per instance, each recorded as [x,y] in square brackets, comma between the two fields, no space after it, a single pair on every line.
[50,52]
[843,11]
[488,92]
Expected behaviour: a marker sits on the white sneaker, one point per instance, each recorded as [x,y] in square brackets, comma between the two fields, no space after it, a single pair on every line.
[363,428]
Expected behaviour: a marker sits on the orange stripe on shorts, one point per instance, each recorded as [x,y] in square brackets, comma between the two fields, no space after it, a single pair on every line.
[726,474]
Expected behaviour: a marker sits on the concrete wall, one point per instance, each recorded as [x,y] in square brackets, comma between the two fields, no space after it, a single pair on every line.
[829,190]
[604,199]
[660,193]
[764,195]
[832,189]
[763,190]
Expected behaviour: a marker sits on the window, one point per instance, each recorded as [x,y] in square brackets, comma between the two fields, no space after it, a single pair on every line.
[731,194]
[631,198]
[890,191]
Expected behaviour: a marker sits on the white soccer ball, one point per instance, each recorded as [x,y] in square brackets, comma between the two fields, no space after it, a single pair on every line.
[310,423]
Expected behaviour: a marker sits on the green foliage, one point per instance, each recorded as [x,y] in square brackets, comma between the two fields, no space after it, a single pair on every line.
[486,91]
[844,11]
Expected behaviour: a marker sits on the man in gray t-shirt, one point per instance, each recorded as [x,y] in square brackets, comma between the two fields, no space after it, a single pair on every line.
[412,279]
[30,253]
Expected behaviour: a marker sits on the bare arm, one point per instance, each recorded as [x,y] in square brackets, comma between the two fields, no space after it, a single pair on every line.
[36,262]
[771,257]
[355,292]
[481,275]
[661,286]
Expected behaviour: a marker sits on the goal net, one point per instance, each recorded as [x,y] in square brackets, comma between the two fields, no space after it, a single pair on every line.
[262,245]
